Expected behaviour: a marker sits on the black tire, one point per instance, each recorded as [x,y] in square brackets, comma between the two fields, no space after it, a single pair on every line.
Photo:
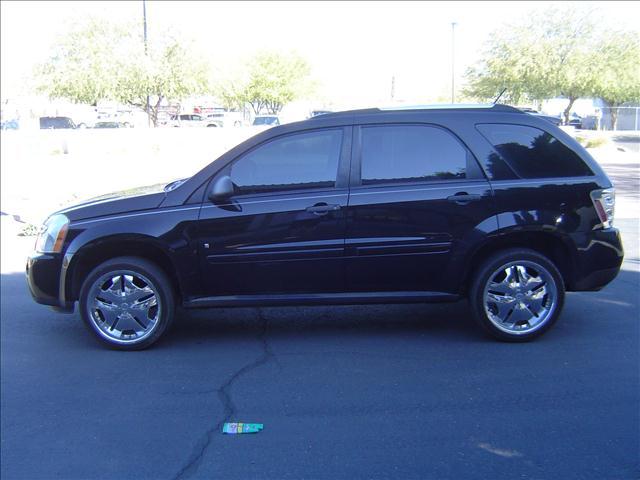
[530,260]
[156,280]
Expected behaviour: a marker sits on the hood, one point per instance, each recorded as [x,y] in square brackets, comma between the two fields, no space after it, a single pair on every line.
[131,200]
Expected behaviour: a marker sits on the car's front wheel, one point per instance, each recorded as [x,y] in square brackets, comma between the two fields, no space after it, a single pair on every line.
[517,294]
[127,303]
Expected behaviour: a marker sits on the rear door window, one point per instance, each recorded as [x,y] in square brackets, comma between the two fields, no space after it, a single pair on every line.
[534,153]
[410,153]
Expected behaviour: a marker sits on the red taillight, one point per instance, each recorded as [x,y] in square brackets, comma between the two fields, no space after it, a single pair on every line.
[604,202]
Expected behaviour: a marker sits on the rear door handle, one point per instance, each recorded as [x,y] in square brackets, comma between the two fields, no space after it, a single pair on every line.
[323,208]
[463,198]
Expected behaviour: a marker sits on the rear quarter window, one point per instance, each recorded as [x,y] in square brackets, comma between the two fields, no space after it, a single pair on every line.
[534,153]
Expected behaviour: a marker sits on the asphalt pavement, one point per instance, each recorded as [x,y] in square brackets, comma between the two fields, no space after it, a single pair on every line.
[400,391]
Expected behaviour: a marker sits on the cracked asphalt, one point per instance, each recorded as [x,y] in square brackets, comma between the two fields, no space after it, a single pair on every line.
[398,391]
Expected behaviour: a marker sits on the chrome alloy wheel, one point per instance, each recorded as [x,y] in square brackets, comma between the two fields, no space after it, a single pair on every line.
[520,297]
[124,306]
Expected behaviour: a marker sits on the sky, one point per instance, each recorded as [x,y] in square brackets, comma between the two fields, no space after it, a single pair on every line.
[354,48]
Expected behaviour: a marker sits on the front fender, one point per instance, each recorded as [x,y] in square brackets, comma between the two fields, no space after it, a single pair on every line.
[167,230]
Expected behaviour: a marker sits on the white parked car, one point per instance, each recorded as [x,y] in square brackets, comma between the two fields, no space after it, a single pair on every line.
[227,119]
[193,120]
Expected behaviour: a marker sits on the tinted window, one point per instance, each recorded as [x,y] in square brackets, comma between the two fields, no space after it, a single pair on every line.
[307,160]
[56,122]
[410,153]
[266,121]
[533,153]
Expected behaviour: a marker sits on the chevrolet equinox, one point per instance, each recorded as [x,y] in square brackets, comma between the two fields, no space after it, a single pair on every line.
[369,206]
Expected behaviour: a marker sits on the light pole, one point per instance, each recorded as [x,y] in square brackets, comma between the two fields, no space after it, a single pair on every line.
[144,21]
[453,63]
[393,87]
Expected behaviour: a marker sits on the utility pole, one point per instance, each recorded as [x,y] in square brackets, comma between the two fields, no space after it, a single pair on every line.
[393,87]
[144,20]
[453,63]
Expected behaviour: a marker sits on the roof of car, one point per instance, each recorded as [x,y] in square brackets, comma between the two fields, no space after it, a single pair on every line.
[417,108]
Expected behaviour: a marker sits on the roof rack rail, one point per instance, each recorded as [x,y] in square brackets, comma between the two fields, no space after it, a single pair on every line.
[450,107]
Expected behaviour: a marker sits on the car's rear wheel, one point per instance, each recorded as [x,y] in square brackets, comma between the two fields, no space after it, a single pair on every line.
[517,295]
[127,303]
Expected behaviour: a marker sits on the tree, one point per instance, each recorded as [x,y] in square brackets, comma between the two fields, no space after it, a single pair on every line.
[271,81]
[83,66]
[618,79]
[98,60]
[548,55]
[230,93]
[168,72]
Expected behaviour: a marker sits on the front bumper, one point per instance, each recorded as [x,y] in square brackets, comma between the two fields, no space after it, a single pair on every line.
[43,277]
[598,261]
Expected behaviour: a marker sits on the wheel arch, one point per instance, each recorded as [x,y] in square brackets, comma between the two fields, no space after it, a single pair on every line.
[100,250]
[552,245]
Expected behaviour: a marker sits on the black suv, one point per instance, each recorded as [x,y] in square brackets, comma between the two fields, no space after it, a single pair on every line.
[368,206]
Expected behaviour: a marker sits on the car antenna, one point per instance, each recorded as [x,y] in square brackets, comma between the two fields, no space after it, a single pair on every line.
[498,97]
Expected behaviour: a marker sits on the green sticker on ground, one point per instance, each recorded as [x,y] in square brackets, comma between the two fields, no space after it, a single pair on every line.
[236,428]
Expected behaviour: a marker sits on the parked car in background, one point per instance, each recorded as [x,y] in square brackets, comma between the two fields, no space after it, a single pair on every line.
[110,125]
[55,123]
[315,113]
[226,119]
[10,125]
[266,120]
[575,120]
[192,120]
[372,206]
[549,118]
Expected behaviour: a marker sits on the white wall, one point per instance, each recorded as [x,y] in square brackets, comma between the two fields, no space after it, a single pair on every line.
[38,177]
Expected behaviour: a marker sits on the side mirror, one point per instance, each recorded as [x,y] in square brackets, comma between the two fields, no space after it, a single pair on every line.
[222,189]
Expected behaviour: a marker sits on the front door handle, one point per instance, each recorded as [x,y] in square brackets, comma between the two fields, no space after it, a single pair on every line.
[322,208]
[463,198]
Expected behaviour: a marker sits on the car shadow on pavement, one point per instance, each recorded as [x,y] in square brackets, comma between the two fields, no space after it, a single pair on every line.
[449,322]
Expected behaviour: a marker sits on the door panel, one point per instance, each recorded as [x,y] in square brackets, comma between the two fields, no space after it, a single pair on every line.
[406,238]
[283,229]
[417,204]
[274,245]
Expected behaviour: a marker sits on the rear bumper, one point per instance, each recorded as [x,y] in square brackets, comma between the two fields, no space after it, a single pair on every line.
[596,280]
[599,257]
[43,278]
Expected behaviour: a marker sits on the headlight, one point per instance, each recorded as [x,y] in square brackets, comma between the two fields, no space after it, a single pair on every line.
[52,234]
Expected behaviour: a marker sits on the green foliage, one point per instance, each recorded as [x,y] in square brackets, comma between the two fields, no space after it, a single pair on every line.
[557,52]
[271,81]
[592,142]
[83,66]
[544,56]
[98,61]
[618,79]
[28,230]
